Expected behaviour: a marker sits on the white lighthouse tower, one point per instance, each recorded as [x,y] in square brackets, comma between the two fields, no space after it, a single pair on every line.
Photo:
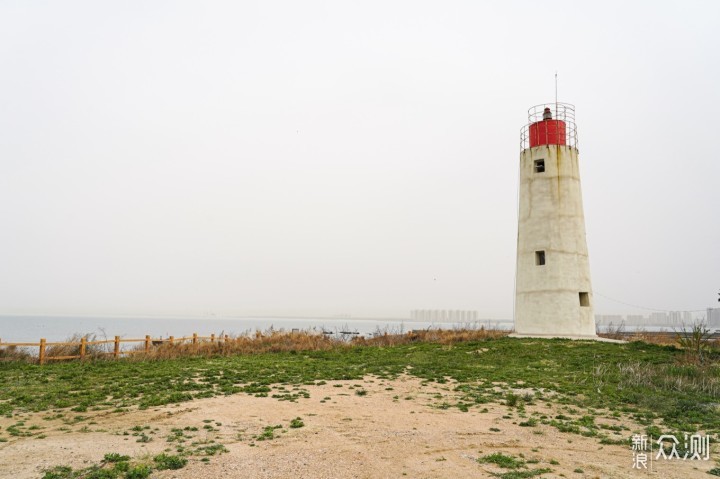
[553,293]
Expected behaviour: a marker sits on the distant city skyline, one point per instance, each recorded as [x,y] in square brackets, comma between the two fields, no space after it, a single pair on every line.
[710,317]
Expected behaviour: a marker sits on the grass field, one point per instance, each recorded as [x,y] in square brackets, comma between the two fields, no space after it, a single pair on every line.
[657,386]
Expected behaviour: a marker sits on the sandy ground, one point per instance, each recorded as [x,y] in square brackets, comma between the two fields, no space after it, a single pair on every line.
[385,433]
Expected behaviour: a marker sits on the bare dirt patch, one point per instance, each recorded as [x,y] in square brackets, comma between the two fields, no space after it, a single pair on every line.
[373,428]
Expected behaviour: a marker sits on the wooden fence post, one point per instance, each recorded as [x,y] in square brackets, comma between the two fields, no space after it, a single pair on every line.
[41,355]
[212,338]
[194,338]
[116,353]
[147,343]
[83,347]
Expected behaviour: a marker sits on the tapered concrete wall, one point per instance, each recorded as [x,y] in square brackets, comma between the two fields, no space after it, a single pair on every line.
[548,297]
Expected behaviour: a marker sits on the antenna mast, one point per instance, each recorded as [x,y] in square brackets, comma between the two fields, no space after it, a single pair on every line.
[556,102]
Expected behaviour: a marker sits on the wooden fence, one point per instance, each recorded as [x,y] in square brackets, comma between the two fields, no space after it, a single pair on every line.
[117,350]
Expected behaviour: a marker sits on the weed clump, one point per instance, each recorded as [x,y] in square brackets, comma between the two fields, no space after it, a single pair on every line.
[115,457]
[502,460]
[211,450]
[518,467]
[268,433]
[140,471]
[167,461]
[695,341]
[121,470]
[59,472]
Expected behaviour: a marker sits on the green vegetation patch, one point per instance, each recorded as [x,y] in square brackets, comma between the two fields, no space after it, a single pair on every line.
[167,461]
[523,474]
[268,433]
[518,467]
[117,466]
[297,423]
[502,460]
[649,381]
[115,457]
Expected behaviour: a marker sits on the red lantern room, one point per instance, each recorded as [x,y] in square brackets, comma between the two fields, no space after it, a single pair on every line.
[547,131]
[550,124]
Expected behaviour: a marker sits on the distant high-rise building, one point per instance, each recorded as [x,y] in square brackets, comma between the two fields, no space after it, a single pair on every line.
[443,315]
[713,318]
[659,318]
[635,319]
[676,318]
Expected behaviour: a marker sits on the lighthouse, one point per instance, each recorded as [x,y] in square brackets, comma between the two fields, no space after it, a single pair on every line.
[553,292]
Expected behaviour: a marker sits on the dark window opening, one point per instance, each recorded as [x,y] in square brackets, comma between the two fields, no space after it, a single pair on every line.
[539,166]
[539,258]
[584,299]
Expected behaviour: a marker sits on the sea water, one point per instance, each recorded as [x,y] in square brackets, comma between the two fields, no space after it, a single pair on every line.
[20,329]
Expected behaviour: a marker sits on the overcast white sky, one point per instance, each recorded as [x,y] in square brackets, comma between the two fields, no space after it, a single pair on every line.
[345,157]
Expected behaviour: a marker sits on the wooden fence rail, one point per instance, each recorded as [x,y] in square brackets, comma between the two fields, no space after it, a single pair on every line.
[116,352]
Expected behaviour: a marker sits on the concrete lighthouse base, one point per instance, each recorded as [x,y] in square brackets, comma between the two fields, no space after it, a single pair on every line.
[557,336]
[553,293]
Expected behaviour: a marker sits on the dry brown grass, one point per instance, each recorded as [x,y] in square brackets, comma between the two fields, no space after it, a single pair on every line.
[14,353]
[673,377]
[663,339]
[283,341]
[442,336]
[72,347]
[618,332]
[225,345]
[259,342]
[697,341]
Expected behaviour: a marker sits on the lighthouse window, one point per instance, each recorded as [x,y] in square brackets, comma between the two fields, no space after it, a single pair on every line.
[539,166]
[540,258]
[584,299]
